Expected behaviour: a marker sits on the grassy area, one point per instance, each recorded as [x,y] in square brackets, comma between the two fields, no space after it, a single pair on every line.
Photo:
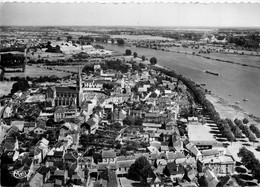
[6,87]
[34,71]
[68,68]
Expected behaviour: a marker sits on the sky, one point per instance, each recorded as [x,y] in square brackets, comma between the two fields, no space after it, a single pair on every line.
[130,14]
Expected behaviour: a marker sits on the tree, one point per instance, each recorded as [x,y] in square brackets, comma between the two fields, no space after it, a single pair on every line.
[128,52]
[153,60]
[21,84]
[108,86]
[153,95]
[254,129]
[145,173]
[250,161]
[135,54]
[251,137]
[120,41]
[138,121]
[140,169]
[143,58]
[141,65]
[245,121]
[69,38]
[129,120]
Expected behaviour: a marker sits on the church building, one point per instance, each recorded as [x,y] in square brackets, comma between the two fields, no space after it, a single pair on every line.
[65,96]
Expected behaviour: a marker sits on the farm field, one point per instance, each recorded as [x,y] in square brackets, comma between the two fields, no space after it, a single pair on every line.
[68,68]
[142,37]
[34,71]
[6,87]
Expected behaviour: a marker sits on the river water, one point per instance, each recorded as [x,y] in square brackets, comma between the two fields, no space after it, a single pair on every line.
[234,82]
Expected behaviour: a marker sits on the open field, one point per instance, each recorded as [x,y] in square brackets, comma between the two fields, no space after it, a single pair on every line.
[6,87]
[34,71]
[141,37]
[68,68]
[199,133]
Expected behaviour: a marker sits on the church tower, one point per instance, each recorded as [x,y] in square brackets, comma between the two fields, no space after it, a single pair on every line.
[79,88]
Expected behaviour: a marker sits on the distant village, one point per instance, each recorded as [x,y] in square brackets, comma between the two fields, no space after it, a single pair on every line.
[118,121]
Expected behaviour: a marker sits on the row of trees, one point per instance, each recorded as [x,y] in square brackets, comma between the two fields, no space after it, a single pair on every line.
[234,128]
[51,49]
[250,161]
[254,129]
[117,65]
[226,131]
[246,130]
[209,108]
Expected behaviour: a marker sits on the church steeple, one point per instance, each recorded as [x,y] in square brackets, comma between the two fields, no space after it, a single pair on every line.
[79,88]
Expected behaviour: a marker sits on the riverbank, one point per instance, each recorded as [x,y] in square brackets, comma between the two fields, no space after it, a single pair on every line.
[227,110]
[234,82]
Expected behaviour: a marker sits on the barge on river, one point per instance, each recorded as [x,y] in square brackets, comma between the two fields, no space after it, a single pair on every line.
[212,73]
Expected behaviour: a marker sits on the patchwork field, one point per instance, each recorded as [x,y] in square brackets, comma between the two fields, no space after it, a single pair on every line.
[34,71]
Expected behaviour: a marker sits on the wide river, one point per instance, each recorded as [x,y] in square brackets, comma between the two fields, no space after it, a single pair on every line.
[234,82]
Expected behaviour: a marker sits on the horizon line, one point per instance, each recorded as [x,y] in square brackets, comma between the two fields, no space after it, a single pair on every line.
[165,26]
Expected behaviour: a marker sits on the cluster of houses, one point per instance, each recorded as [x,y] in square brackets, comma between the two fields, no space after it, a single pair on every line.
[46,151]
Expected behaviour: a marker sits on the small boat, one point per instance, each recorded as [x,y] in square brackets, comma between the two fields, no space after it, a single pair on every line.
[203,84]
[212,73]
[245,99]
[237,102]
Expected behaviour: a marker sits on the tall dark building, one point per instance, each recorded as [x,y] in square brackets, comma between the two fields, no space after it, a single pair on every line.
[65,96]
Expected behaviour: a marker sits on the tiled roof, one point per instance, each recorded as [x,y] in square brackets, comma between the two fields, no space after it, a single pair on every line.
[112,166]
[58,153]
[124,163]
[192,148]
[70,156]
[43,170]
[59,110]
[29,124]
[152,115]
[210,152]
[108,154]
[172,155]
[91,122]
[59,172]
[9,146]
[102,166]
[41,125]
[174,169]
[66,89]
[125,158]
